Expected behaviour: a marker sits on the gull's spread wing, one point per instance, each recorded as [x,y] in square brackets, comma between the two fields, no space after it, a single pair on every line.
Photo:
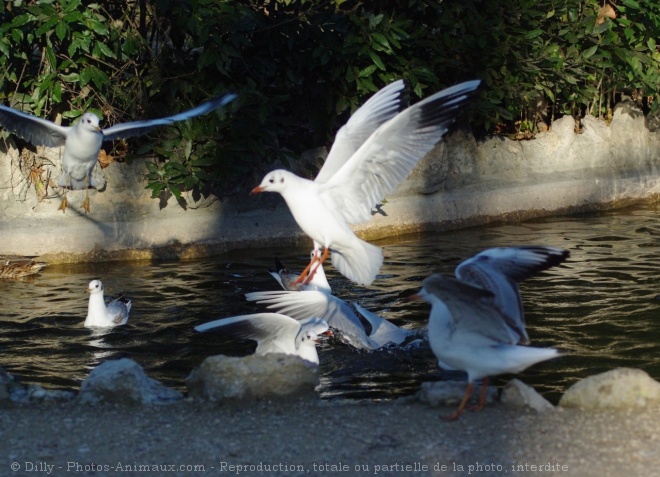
[136,128]
[37,131]
[390,153]
[381,107]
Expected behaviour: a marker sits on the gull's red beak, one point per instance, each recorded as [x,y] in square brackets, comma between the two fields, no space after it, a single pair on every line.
[415,297]
[256,190]
[326,333]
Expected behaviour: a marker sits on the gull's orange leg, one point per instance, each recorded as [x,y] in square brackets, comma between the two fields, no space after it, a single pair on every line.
[482,397]
[65,203]
[305,272]
[85,204]
[320,262]
[461,407]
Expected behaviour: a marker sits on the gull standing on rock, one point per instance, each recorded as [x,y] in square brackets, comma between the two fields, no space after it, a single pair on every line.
[371,155]
[274,333]
[468,331]
[101,316]
[82,141]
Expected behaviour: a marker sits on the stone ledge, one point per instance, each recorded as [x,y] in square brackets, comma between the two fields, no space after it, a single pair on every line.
[462,182]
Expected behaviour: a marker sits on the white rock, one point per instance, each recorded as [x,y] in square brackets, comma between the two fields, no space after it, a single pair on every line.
[220,377]
[518,394]
[124,381]
[619,388]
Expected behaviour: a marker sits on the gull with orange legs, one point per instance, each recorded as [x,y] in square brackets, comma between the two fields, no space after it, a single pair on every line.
[468,329]
[289,281]
[82,141]
[371,155]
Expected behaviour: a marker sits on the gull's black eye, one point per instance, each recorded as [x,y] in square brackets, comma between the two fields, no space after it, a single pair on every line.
[271,180]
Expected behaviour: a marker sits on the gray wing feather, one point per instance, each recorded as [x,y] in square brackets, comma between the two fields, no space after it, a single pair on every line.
[37,131]
[313,303]
[472,309]
[137,128]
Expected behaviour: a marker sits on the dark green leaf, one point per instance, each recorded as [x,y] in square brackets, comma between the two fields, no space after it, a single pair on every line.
[61,30]
[588,53]
[533,34]
[70,78]
[377,61]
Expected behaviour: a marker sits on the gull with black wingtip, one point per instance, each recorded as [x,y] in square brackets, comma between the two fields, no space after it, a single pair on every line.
[371,155]
[476,323]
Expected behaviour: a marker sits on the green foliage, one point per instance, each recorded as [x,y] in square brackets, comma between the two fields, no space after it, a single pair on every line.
[302,66]
[50,52]
[568,53]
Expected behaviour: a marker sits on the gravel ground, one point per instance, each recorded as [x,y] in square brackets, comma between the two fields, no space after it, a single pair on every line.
[324,438]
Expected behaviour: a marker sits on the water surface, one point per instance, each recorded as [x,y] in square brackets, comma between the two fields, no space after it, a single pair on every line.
[601,307]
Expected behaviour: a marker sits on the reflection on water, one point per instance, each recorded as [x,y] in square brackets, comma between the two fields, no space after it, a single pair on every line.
[601,307]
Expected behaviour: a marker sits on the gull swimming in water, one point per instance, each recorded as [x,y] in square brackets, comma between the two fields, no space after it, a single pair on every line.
[274,333]
[302,301]
[300,305]
[337,313]
[365,168]
[468,327]
[82,141]
[100,315]
[384,332]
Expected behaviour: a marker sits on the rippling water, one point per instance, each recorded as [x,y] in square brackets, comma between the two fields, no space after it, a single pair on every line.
[601,306]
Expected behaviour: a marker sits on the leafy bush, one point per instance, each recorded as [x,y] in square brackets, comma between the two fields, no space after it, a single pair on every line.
[302,66]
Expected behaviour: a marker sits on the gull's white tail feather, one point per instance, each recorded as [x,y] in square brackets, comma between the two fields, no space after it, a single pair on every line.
[509,359]
[360,263]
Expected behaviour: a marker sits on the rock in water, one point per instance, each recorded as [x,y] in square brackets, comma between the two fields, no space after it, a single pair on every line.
[268,376]
[619,388]
[518,394]
[124,381]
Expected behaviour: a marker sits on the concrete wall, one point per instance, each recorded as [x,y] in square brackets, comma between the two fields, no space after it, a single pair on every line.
[462,182]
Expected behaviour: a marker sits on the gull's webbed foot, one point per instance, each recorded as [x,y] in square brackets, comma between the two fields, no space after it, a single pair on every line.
[63,204]
[85,204]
